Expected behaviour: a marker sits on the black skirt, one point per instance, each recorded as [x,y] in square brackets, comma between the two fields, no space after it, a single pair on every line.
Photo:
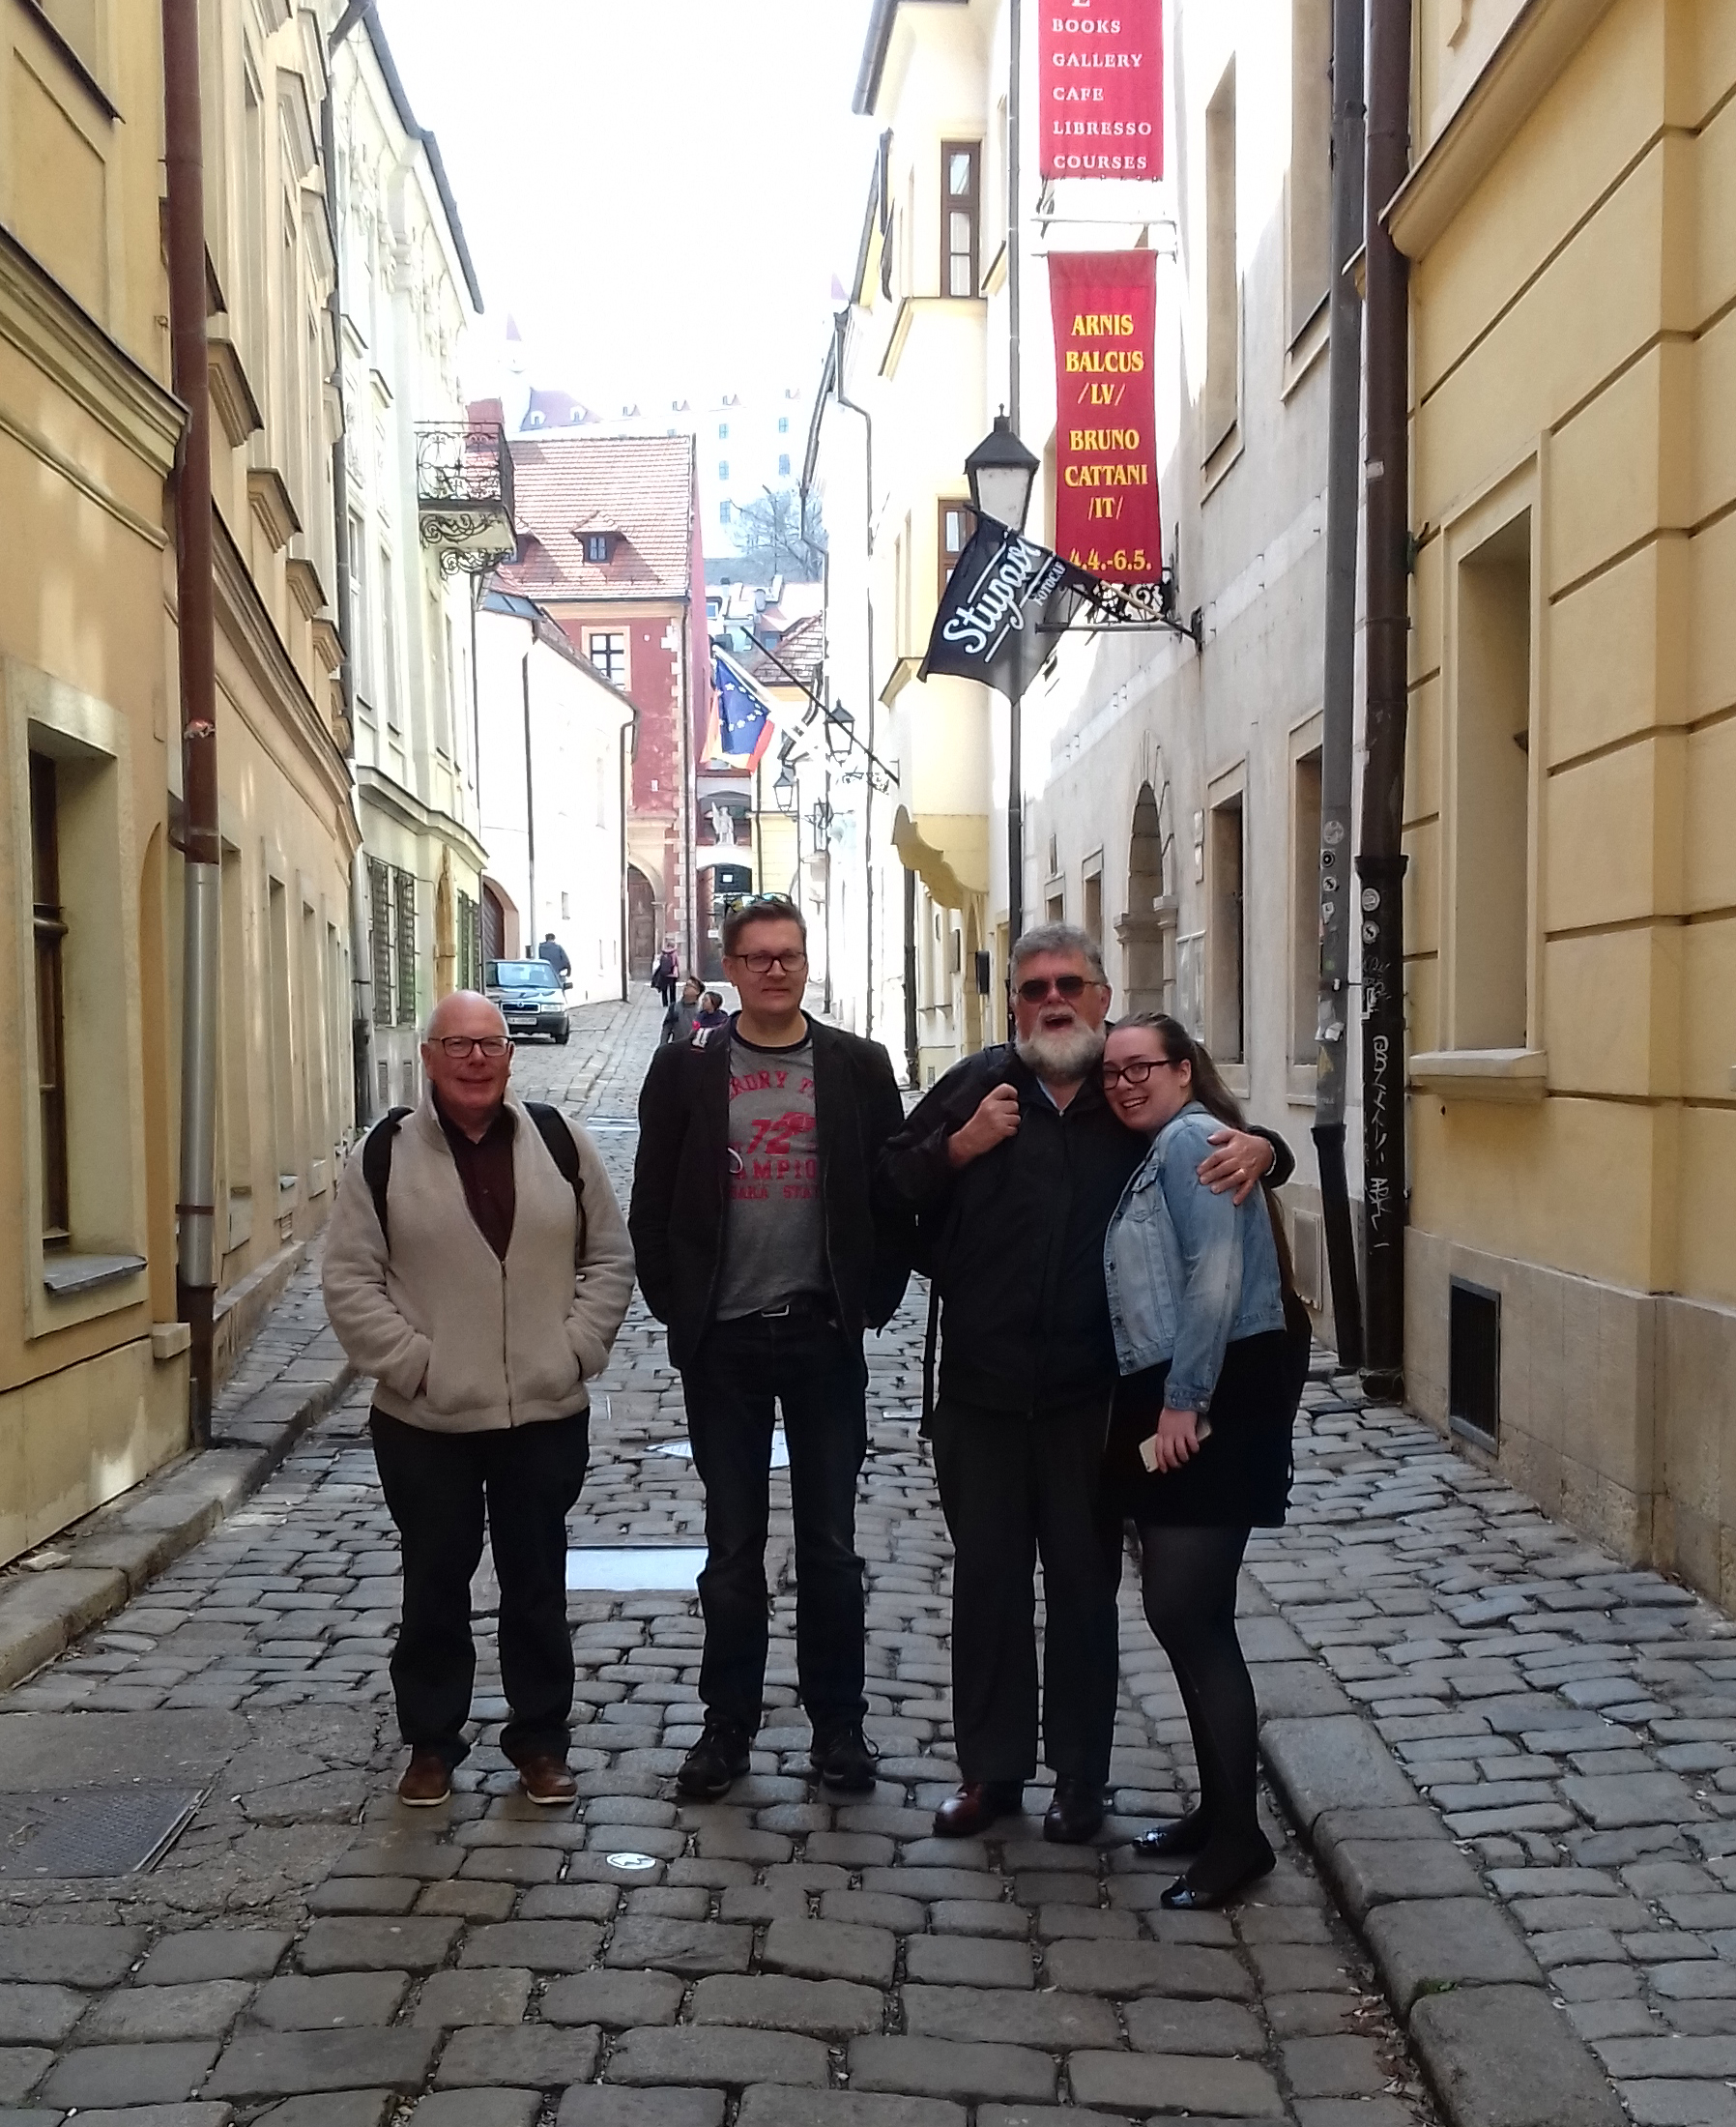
[1240,1478]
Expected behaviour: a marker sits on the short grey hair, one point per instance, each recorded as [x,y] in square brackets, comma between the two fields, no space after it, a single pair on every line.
[1058,938]
[474,996]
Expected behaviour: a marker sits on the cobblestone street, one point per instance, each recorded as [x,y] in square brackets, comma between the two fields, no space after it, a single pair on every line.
[1512,1759]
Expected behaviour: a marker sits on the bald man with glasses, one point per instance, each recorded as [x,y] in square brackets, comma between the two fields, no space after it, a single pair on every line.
[1013,1165]
[477,1266]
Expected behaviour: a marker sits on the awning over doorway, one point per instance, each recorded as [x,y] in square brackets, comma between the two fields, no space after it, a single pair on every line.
[947,851]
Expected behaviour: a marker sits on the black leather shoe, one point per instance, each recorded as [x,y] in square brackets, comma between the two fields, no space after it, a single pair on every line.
[1201,1891]
[1076,1813]
[844,1760]
[719,1758]
[976,1805]
[1187,1835]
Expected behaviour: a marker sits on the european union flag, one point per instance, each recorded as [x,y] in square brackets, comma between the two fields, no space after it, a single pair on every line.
[743,713]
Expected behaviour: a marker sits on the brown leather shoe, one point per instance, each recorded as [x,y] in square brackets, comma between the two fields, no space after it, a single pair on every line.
[547,1779]
[977,1806]
[427,1781]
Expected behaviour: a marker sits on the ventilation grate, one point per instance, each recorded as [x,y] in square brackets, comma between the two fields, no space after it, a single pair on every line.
[1474,1363]
[91,1831]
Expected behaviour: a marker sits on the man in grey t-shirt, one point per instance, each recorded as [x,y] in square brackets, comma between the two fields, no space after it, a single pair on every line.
[761,1247]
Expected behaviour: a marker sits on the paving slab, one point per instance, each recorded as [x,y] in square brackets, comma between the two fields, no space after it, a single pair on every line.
[530,2057]
[1505,2056]
[1422,1945]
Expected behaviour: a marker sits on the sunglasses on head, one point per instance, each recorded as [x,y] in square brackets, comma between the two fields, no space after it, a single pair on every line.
[1068,986]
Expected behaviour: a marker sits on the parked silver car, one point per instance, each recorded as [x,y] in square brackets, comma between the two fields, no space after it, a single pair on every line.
[530,994]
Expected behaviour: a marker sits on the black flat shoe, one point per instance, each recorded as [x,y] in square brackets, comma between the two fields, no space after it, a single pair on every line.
[1187,1835]
[1216,1889]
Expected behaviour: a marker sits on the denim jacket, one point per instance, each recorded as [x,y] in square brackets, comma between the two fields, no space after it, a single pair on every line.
[1187,1272]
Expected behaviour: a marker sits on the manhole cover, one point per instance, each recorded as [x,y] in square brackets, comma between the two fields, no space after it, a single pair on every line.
[684,1449]
[599,1570]
[92,1831]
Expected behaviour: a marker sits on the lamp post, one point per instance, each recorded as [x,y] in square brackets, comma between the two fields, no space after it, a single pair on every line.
[1001,473]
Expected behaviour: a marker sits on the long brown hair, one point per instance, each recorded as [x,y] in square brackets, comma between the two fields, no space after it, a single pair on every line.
[1179,1047]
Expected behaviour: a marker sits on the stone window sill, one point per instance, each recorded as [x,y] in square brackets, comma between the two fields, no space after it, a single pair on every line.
[1482,1074]
[66,1276]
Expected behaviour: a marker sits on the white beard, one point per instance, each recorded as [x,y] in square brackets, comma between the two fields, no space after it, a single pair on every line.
[1063,1057]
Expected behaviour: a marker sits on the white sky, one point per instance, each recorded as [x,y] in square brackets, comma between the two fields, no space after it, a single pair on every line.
[659,191]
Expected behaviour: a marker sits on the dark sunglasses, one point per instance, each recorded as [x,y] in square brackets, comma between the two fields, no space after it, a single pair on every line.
[1068,986]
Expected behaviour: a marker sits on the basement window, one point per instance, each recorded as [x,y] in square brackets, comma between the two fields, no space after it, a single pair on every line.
[1474,1363]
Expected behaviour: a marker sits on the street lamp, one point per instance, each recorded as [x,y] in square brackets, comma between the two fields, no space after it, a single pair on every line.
[840,727]
[784,788]
[1001,473]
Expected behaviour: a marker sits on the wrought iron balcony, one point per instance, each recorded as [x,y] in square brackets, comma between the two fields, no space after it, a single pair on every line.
[464,494]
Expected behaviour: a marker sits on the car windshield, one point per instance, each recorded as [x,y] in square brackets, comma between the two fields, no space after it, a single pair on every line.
[521,974]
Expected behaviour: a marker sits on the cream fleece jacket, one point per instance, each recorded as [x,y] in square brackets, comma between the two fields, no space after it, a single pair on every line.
[457,1340]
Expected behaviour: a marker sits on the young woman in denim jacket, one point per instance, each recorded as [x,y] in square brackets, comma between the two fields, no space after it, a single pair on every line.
[1212,1364]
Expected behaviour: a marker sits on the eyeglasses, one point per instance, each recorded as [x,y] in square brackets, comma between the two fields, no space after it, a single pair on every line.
[1068,986]
[459,1045]
[1141,1069]
[763,963]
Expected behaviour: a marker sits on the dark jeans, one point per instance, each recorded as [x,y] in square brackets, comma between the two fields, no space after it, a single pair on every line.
[436,1485]
[1015,1489]
[815,1373]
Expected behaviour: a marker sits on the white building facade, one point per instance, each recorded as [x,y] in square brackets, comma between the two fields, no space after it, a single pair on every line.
[409,292]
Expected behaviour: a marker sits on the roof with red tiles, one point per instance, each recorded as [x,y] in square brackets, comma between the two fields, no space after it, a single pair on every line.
[640,490]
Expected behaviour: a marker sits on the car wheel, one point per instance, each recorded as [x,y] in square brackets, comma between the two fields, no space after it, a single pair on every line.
[564,1037]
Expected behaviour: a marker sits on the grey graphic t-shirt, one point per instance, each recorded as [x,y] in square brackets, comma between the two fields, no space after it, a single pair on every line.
[775,1233]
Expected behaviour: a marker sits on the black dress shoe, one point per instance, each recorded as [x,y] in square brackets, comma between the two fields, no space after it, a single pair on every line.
[1187,1835]
[1205,1889]
[1076,1813]
[976,1805]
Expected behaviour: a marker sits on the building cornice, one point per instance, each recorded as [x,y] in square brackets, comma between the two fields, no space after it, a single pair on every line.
[60,337]
[1527,62]
[387,796]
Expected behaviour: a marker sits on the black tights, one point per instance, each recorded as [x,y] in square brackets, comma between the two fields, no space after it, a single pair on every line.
[1189,1578]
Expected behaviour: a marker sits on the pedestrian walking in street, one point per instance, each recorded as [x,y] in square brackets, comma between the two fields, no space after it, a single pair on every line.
[679,1017]
[1206,1322]
[759,1247]
[1014,1163]
[555,955]
[478,1268]
[664,970]
[711,1011]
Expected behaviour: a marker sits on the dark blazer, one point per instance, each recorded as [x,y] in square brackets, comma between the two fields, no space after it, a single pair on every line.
[679,1183]
[1014,1242]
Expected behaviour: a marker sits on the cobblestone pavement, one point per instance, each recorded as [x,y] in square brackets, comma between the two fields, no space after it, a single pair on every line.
[1574,1724]
[310,1954]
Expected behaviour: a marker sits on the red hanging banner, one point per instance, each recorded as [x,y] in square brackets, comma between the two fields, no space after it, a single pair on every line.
[1105,505]
[1101,65]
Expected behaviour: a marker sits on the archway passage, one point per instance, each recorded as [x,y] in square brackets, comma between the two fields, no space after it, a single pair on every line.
[641,925]
[1146,927]
[494,925]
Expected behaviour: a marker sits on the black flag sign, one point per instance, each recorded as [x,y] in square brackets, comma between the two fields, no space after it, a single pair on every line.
[1005,597]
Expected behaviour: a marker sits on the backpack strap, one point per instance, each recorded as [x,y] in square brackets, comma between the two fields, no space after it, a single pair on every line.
[376,1162]
[552,1128]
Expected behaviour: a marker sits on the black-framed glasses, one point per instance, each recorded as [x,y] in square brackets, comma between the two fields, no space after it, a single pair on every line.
[1136,1072]
[459,1045]
[1068,986]
[763,963]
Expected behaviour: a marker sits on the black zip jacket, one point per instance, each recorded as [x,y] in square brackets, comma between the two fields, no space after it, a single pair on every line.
[679,1183]
[1014,1242]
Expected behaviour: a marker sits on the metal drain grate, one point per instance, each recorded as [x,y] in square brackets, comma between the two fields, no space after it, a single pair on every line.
[92,1831]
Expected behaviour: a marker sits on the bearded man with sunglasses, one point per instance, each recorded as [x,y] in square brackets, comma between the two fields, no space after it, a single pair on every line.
[759,1246]
[478,1268]
[1014,1165]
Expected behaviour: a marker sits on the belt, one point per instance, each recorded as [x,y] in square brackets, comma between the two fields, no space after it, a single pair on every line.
[797,1305]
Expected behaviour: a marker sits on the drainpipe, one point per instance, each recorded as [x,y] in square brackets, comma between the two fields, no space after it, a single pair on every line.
[623,787]
[196,599]
[529,811]
[362,965]
[1380,859]
[850,406]
[912,1044]
[1339,701]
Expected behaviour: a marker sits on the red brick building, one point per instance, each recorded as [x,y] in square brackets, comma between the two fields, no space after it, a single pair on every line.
[609,548]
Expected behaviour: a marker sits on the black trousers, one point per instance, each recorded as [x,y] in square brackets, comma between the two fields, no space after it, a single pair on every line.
[742,1371]
[1017,1488]
[436,1486]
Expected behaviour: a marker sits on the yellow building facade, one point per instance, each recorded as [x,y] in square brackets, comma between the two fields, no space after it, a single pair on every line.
[93,1371]
[1571,926]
